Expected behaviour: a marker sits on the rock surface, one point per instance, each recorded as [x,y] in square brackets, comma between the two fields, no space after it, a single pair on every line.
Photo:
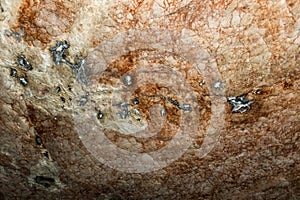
[135,104]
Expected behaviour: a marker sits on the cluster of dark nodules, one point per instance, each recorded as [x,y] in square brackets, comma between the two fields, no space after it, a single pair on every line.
[69,87]
[239,104]
[22,79]
[62,99]
[184,107]
[174,102]
[58,52]
[26,65]
[59,56]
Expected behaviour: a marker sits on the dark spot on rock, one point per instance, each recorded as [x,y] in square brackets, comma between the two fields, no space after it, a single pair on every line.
[45,181]
[57,89]
[99,115]
[63,99]
[136,101]
[24,63]
[38,140]
[23,81]
[46,154]
[174,102]
[13,72]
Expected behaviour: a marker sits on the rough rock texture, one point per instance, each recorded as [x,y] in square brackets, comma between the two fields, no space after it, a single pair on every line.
[66,128]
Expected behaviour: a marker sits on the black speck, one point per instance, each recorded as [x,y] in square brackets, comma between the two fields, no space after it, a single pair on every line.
[99,115]
[38,140]
[70,87]
[13,72]
[23,81]
[63,99]
[174,102]
[46,154]
[57,89]
[135,101]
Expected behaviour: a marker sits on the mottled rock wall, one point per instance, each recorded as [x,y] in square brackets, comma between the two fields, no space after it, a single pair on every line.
[138,103]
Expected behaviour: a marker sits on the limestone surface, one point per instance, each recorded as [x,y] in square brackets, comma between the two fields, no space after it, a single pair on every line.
[157,99]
